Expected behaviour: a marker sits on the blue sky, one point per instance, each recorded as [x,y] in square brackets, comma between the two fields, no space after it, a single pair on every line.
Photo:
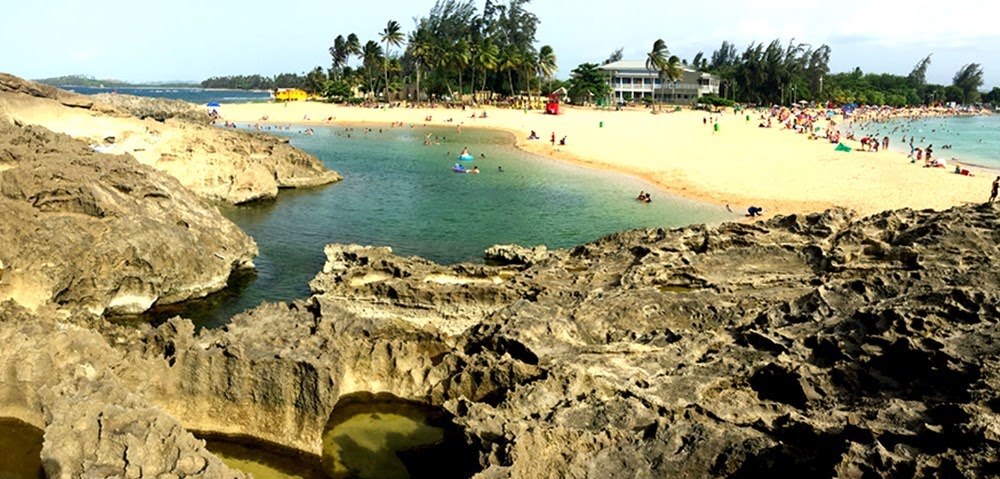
[193,40]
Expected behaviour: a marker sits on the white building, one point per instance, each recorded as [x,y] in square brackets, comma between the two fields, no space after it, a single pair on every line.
[631,81]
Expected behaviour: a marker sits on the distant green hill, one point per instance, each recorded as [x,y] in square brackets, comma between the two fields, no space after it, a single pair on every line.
[89,81]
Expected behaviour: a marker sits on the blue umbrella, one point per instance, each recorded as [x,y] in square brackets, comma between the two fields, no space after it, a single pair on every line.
[213,105]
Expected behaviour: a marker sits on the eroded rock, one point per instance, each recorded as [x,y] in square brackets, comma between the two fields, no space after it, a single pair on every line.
[79,228]
[174,137]
[811,346]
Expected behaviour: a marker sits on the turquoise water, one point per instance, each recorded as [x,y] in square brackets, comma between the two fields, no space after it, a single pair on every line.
[974,140]
[397,192]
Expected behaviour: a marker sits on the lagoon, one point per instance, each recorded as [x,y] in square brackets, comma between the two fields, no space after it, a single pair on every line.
[400,193]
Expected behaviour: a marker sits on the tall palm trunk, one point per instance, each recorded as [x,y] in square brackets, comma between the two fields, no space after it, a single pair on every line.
[472,83]
[510,81]
[385,68]
[418,83]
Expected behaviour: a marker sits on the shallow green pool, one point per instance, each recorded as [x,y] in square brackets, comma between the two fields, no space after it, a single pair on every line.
[401,193]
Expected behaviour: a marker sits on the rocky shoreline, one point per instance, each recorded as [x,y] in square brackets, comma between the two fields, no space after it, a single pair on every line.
[805,346]
[104,199]
[825,345]
[172,136]
[104,233]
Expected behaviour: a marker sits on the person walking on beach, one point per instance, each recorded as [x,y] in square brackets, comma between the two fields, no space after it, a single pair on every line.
[553,138]
[996,186]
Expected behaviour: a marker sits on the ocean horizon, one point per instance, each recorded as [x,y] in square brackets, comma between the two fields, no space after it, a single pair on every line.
[198,96]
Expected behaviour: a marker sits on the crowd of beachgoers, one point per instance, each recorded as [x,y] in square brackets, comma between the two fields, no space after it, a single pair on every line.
[734,159]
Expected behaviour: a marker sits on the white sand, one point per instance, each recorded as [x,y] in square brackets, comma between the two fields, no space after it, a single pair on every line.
[742,165]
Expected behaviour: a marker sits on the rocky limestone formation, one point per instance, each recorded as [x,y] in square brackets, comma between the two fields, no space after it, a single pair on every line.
[12,84]
[98,429]
[57,375]
[804,346]
[79,228]
[159,109]
[218,164]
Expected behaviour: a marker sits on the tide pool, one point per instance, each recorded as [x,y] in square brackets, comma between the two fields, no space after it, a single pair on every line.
[400,193]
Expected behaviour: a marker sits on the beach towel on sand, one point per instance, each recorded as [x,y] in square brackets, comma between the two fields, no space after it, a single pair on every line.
[842,147]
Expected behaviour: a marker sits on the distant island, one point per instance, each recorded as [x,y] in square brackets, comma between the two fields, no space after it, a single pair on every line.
[232,82]
[89,81]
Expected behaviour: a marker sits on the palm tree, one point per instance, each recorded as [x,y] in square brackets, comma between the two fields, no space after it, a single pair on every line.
[421,49]
[372,57]
[656,59]
[546,65]
[510,60]
[339,54]
[486,59]
[672,72]
[395,66]
[460,57]
[353,48]
[391,36]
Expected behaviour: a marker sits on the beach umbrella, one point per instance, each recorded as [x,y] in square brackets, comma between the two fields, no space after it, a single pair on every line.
[213,105]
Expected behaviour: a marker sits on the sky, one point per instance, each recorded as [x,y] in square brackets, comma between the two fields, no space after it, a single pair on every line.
[193,40]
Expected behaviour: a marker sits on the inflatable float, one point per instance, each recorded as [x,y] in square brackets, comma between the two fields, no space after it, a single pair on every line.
[458,169]
[466,157]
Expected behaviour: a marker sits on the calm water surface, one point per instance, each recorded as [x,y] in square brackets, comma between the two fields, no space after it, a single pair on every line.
[20,450]
[398,192]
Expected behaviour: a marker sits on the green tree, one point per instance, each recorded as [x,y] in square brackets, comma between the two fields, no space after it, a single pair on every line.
[315,81]
[372,59]
[918,76]
[724,58]
[339,54]
[510,60]
[954,93]
[392,36]
[656,59]
[588,81]
[993,96]
[968,78]
[673,72]
[354,47]
[817,68]
[614,57]
[545,65]
[699,62]
[421,50]
[485,59]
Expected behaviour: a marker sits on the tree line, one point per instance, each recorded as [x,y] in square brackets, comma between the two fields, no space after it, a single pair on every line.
[256,82]
[457,52]
[454,52]
[786,73]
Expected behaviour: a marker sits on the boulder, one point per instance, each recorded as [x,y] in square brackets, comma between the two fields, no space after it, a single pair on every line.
[80,228]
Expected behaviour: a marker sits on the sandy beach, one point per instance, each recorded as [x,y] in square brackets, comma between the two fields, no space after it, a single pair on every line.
[740,165]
